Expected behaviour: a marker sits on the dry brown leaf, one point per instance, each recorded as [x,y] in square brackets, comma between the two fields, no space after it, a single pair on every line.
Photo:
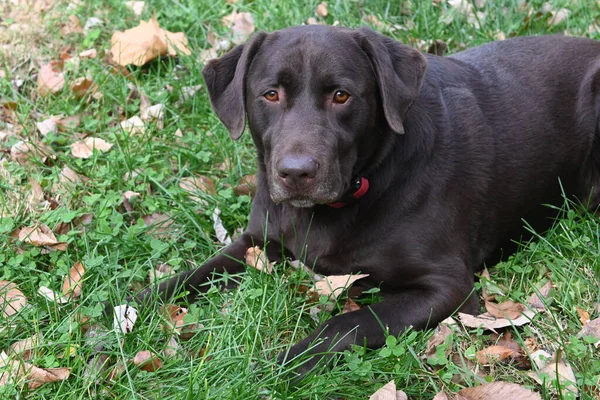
[171,348]
[24,347]
[257,258]
[241,24]
[24,150]
[51,78]
[439,337]
[197,183]
[373,20]
[117,370]
[73,282]
[321,9]
[489,322]
[133,125]
[162,270]
[67,175]
[536,301]
[145,42]
[47,126]
[334,285]
[68,123]
[550,368]
[84,86]
[388,392]
[85,148]
[136,6]
[247,186]
[592,328]
[174,315]
[89,53]
[147,361]
[350,306]
[498,391]
[36,195]
[73,26]
[507,309]
[495,353]
[584,316]
[41,236]
[442,396]
[11,299]
[36,377]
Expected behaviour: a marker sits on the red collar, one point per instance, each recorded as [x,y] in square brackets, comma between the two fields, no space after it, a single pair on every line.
[361,187]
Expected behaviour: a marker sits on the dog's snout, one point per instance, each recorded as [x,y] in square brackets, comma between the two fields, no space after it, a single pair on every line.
[297,170]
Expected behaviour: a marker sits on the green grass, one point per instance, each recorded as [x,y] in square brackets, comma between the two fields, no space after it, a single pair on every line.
[232,355]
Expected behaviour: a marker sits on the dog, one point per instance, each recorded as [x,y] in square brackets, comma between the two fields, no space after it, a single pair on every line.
[374,158]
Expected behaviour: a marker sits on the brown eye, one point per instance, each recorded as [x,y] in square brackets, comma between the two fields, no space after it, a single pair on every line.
[341,97]
[272,95]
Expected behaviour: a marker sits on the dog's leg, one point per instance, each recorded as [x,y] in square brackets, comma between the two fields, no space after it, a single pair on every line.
[230,260]
[417,308]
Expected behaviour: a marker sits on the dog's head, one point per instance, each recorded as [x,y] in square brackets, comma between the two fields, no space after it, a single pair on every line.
[319,100]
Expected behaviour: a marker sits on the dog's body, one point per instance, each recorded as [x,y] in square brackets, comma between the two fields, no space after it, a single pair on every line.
[456,150]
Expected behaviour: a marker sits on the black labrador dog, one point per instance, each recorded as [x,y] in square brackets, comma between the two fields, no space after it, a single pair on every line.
[415,169]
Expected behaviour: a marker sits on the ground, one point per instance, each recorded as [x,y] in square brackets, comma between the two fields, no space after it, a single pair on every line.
[91,226]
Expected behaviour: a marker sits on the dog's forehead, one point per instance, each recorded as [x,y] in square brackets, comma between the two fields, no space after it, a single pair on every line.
[315,51]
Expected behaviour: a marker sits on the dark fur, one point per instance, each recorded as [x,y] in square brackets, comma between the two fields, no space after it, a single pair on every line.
[457,149]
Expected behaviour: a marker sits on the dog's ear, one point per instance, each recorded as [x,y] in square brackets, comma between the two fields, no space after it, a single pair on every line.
[400,70]
[225,79]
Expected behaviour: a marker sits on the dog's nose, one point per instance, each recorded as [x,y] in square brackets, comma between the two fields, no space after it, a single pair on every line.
[297,170]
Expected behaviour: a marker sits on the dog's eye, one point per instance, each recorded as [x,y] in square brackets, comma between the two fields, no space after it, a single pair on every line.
[341,97]
[272,95]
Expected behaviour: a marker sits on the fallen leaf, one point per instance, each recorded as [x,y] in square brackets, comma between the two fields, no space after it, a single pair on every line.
[257,258]
[498,391]
[220,231]
[538,299]
[67,175]
[495,353]
[52,296]
[73,282]
[171,348]
[41,236]
[84,86]
[136,6]
[124,318]
[592,328]
[321,9]
[162,270]
[154,113]
[12,300]
[552,367]
[241,25]
[247,186]
[584,316]
[556,17]
[489,322]
[68,123]
[439,337]
[47,126]
[133,125]
[334,285]
[373,20]
[89,53]
[350,306]
[85,148]
[388,392]
[51,78]
[197,183]
[23,151]
[145,42]
[37,377]
[147,361]
[24,347]
[507,309]
[73,26]
[174,315]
